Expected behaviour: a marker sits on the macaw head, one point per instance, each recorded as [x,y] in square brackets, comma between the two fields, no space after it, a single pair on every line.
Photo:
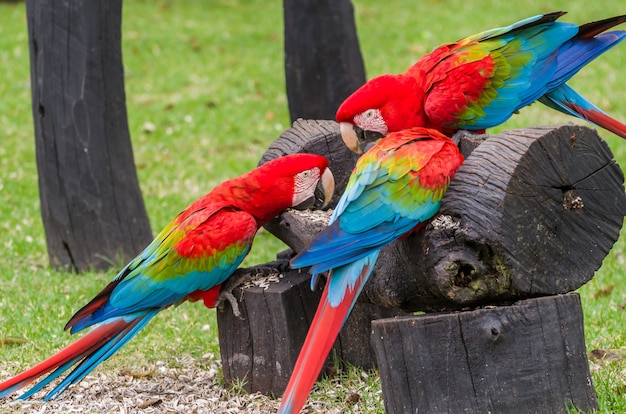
[289,181]
[384,104]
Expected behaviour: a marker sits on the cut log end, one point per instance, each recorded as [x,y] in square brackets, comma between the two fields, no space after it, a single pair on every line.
[540,209]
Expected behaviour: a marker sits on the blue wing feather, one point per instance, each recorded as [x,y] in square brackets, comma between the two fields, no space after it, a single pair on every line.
[558,54]
[366,219]
[527,82]
[136,288]
[532,21]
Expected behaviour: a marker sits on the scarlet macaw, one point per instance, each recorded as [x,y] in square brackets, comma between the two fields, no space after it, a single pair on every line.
[188,260]
[396,186]
[480,81]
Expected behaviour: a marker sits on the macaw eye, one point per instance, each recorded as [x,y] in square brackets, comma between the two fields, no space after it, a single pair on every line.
[371,120]
[305,178]
[370,113]
[304,185]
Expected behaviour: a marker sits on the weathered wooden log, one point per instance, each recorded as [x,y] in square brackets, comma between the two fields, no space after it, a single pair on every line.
[260,348]
[323,62]
[516,195]
[91,204]
[531,212]
[526,358]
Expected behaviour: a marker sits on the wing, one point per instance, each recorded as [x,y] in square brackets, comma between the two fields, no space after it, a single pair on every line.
[395,186]
[487,77]
[198,250]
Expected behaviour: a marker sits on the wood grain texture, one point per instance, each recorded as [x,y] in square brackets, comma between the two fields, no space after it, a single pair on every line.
[92,207]
[526,358]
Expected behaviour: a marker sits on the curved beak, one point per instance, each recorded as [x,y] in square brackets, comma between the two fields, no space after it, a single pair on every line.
[327,184]
[357,139]
[350,138]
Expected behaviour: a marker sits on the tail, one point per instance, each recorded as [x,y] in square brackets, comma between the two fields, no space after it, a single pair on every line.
[338,299]
[567,100]
[88,352]
[588,44]
[592,29]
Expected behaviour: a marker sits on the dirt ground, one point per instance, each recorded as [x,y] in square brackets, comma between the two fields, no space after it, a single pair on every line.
[194,388]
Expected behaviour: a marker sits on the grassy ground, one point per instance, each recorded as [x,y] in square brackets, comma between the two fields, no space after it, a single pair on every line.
[210,79]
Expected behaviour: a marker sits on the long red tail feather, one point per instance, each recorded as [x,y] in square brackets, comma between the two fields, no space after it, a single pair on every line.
[76,350]
[601,119]
[322,334]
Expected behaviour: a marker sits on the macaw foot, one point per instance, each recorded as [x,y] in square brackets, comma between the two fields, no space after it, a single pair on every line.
[260,276]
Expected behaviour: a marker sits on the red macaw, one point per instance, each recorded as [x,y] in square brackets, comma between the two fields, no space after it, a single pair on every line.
[396,186]
[188,260]
[480,81]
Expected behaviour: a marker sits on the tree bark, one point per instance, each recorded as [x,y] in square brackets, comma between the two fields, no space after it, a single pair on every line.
[526,358]
[91,203]
[531,212]
[323,62]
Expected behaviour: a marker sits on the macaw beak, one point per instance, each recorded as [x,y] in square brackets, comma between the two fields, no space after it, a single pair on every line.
[350,138]
[327,184]
[357,139]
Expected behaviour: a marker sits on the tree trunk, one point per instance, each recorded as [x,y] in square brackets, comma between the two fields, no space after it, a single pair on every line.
[91,204]
[526,358]
[323,63]
[531,212]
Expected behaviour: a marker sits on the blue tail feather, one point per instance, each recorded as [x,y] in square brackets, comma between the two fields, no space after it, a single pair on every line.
[558,99]
[41,384]
[346,277]
[575,54]
[101,355]
[84,355]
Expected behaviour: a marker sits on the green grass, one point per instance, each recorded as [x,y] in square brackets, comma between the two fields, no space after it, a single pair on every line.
[209,77]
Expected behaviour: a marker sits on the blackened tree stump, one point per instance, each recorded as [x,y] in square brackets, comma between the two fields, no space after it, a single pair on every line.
[323,63]
[91,204]
[531,212]
[260,348]
[529,357]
